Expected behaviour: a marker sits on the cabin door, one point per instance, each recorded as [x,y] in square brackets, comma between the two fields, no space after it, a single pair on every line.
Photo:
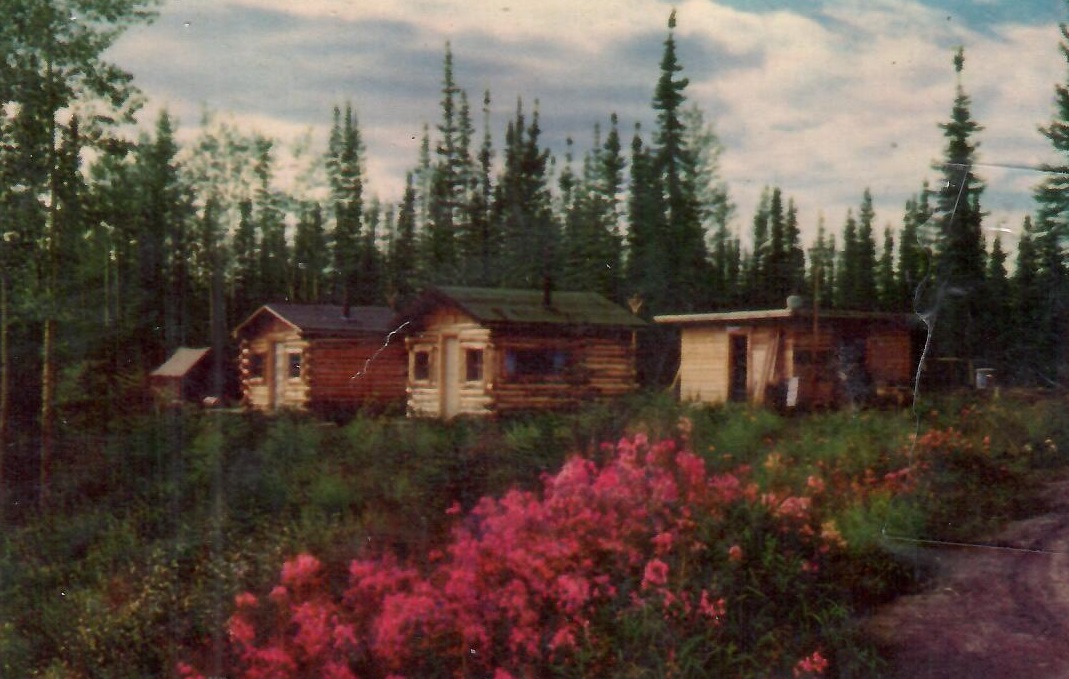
[737,367]
[278,377]
[450,392]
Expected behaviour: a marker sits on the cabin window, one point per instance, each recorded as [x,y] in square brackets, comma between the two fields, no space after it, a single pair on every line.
[256,366]
[421,366]
[535,363]
[295,365]
[473,365]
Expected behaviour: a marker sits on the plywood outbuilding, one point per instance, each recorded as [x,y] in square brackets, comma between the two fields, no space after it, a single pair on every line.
[321,357]
[477,351]
[793,357]
[183,378]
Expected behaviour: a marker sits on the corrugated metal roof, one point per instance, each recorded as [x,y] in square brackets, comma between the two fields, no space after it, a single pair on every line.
[773,314]
[329,319]
[181,362]
[509,306]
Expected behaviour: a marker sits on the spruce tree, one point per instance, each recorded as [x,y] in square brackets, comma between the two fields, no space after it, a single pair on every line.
[886,281]
[997,308]
[847,289]
[956,293]
[1051,228]
[913,254]
[245,291]
[647,262]
[274,273]
[866,295]
[403,266]
[310,254]
[478,241]
[523,207]
[675,166]
[757,268]
[346,175]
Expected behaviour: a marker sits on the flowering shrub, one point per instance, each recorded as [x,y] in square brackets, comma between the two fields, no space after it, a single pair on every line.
[647,563]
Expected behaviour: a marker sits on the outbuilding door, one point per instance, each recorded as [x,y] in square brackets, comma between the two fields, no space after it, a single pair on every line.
[450,392]
[737,367]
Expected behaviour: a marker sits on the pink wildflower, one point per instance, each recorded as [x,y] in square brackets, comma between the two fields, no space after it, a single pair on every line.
[278,594]
[713,610]
[794,508]
[662,542]
[303,570]
[656,574]
[735,553]
[241,630]
[814,665]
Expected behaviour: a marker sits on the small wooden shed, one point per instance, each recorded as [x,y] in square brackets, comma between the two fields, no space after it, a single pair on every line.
[321,357]
[183,378]
[794,357]
[477,351]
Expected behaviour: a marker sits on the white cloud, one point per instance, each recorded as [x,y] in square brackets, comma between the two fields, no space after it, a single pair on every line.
[822,104]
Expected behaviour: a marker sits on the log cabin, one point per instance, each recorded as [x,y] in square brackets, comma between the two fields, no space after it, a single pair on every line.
[794,357]
[481,351]
[321,357]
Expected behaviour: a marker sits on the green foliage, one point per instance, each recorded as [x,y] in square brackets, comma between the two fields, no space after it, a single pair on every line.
[157,525]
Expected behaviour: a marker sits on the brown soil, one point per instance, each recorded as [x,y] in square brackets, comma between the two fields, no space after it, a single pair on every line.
[990,611]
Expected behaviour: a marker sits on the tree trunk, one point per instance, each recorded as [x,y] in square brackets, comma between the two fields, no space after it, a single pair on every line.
[5,388]
[48,408]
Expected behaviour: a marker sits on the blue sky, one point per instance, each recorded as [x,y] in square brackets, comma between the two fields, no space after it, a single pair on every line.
[822,99]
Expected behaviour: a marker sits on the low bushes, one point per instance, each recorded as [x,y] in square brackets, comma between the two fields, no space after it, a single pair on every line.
[647,565]
[156,528]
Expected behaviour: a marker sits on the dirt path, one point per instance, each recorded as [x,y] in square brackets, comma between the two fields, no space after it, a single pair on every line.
[990,612]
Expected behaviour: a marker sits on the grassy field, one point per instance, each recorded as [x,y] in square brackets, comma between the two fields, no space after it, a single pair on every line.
[159,524]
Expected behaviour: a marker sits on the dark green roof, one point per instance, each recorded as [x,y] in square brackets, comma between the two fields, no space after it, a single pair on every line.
[498,306]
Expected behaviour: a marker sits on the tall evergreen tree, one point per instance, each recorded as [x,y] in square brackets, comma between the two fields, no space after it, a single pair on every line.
[997,308]
[866,295]
[793,253]
[1032,352]
[479,240]
[756,291]
[887,288]
[960,249]
[448,203]
[821,283]
[403,267]
[371,264]
[345,171]
[913,253]
[310,254]
[847,288]
[52,65]
[275,258]
[675,166]
[523,207]
[1052,224]
[245,291]
[647,262]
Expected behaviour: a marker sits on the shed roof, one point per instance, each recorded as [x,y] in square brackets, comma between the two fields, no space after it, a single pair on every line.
[757,315]
[502,306]
[181,362]
[326,319]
